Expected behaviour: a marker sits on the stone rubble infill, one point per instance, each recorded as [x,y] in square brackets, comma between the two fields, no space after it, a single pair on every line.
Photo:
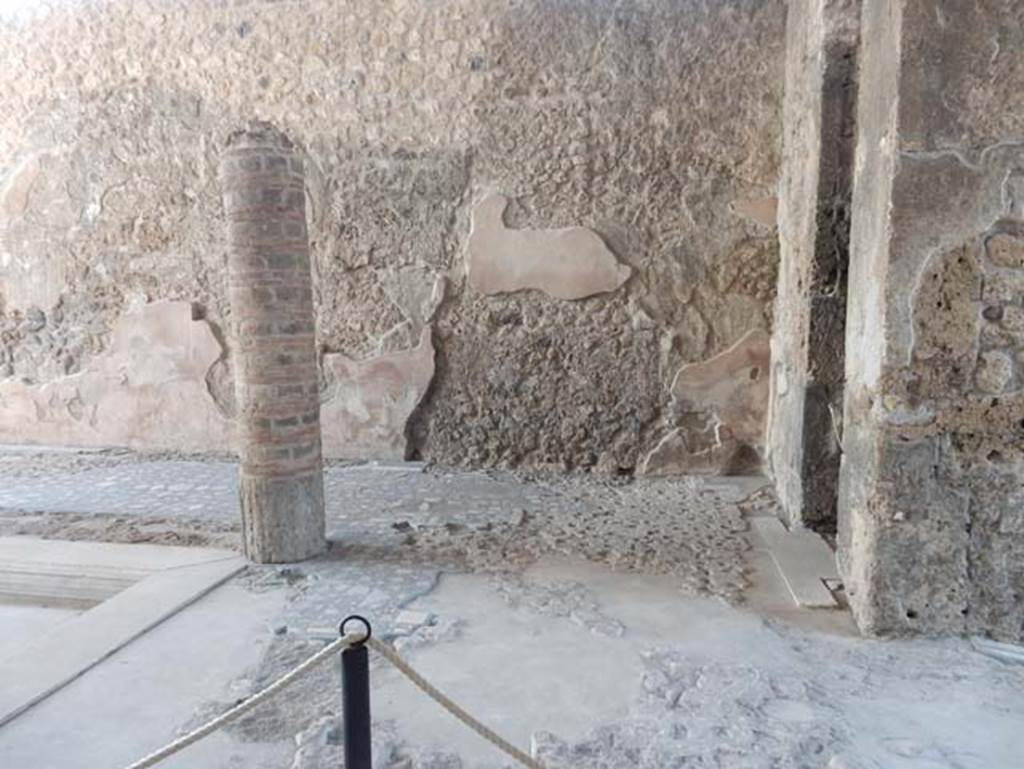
[448,521]
[320,746]
[569,600]
[502,525]
[20,463]
[795,699]
[125,529]
[650,526]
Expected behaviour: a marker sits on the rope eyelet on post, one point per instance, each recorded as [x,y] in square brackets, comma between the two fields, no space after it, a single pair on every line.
[356,618]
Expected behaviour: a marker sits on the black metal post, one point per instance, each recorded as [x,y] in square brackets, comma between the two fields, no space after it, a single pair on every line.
[355,699]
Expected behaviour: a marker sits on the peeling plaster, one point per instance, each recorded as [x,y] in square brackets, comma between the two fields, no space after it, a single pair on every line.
[368,402]
[763,211]
[720,405]
[568,263]
[148,390]
[128,205]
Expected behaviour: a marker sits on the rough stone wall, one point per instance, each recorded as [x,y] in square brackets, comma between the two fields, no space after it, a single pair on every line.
[931,520]
[651,124]
[814,235]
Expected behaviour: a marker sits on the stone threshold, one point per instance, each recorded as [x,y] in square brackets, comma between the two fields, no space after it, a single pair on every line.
[803,559]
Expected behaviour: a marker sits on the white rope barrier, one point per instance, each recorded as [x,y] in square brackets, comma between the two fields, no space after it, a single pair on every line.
[244,707]
[423,685]
[350,639]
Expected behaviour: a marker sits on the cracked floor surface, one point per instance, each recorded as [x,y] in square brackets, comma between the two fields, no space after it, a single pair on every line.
[604,623]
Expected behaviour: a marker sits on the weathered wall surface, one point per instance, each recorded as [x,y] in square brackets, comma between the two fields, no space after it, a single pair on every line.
[931,514]
[651,127]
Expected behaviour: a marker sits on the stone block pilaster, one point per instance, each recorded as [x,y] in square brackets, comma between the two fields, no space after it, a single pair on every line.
[931,508]
[814,228]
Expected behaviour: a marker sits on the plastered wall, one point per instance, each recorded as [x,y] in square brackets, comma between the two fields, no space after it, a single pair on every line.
[635,146]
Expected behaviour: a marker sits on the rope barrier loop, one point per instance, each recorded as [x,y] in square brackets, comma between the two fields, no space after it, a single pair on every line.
[427,688]
[347,641]
[245,706]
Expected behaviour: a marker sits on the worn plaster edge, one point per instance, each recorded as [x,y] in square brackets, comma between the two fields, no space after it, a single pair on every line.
[744,339]
[930,260]
[81,644]
[663,443]
[472,267]
[720,454]
[94,437]
[426,339]
[676,433]
[333,392]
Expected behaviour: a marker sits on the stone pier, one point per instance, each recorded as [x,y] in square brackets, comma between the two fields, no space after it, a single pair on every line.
[931,509]
[814,235]
[276,383]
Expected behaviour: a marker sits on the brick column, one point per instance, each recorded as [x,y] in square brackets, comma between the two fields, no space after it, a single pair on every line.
[280,478]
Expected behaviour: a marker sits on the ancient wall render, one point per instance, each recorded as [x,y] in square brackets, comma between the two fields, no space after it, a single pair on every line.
[931,517]
[652,125]
[815,194]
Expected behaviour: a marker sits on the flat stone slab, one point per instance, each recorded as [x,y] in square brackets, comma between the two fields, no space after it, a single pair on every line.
[803,559]
[163,580]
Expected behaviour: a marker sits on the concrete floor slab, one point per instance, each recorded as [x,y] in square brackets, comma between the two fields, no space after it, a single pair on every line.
[596,669]
[174,578]
[82,574]
[141,695]
[22,623]
[690,681]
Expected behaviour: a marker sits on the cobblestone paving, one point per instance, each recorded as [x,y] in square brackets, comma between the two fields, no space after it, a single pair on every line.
[394,527]
[362,497]
[399,513]
[188,488]
[820,703]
